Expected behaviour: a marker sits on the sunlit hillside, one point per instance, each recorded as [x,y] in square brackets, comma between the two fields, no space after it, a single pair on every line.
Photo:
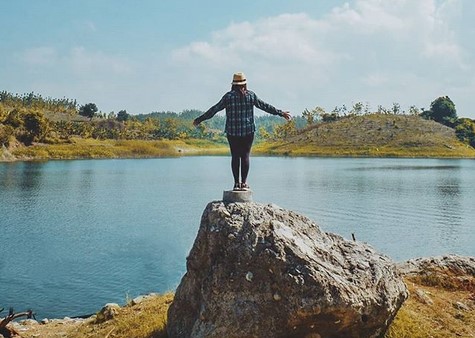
[372,135]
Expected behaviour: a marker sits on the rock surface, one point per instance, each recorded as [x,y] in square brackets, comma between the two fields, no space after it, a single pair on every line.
[263,271]
[230,196]
[448,264]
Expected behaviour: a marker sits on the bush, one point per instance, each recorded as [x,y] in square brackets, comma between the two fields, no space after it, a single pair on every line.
[465,131]
[6,133]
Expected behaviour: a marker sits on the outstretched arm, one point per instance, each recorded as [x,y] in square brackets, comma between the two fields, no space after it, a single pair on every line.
[210,113]
[268,108]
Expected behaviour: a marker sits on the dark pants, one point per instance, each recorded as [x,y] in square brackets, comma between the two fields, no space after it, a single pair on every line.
[240,150]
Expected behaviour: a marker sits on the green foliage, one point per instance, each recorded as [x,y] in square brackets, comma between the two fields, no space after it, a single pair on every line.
[357,108]
[465,130]
[329,117]
[6,133]
[286,130]
[312,116]
[123,116]
[35,126]
[14,118]
[88,110]
[263,134]
[442,110]
[35,101]
[30,118]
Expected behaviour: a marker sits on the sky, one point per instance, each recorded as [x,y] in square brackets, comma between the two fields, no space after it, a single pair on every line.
[157,55]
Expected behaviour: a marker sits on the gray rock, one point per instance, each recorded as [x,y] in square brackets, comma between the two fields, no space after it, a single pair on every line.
[108,311]
[139,299]
[448,264]
[262,271]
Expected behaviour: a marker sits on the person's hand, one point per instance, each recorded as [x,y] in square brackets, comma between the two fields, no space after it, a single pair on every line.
[286,115]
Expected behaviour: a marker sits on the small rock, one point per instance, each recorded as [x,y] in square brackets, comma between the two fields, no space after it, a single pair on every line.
[138,300]
[423,297]
[249,276]
[277,297]
[109,311]
[44,321]
[461,306]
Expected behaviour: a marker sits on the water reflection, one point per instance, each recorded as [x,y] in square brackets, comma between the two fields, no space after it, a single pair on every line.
[449,207]
[26,175]
[407,167]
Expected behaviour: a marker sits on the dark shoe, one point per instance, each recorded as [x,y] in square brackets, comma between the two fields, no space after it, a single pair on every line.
[237,186]
[245,187]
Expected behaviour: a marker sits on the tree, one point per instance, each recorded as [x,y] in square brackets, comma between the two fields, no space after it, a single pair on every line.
[88,110]
[396,108]
[285,130]
[35,125]
[122,116]
[357,108]
[442,110]
[312,116]
[465,131]
[413,110]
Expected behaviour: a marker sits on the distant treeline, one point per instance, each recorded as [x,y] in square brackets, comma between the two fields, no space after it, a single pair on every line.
[29,118]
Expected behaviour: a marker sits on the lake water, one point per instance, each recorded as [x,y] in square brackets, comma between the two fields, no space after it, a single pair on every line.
[75,235]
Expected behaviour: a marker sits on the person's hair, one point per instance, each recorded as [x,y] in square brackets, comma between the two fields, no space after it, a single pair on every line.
[242,89]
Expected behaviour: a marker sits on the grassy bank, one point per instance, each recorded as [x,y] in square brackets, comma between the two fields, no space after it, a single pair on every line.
[372,135]
[80,148]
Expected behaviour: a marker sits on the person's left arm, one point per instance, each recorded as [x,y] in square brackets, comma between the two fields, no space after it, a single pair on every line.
[268,108]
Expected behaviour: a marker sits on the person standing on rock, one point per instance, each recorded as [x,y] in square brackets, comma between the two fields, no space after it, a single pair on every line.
[239,103]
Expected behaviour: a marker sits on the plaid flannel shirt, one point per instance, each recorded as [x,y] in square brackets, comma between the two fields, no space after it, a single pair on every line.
[239,112]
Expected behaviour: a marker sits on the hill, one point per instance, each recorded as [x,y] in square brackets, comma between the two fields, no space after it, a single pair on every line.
[372,135]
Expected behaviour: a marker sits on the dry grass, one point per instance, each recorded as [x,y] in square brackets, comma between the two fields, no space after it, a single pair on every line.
[144,320]
[441,315]
[372,136]
[80,148]
[446,310]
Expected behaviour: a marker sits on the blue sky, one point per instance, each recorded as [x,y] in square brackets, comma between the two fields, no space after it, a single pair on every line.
[146,56]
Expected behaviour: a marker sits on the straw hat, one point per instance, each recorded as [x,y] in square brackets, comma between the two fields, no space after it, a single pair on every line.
[239,79]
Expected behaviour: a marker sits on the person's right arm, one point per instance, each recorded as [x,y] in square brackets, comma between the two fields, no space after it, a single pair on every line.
[211,112]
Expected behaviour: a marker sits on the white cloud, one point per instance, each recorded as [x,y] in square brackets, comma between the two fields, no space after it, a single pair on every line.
[372,51]
[401,47]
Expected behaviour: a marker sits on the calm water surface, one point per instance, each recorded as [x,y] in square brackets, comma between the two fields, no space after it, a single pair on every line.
[75,235]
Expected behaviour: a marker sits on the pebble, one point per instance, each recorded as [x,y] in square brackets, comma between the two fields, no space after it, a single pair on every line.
[249,276]
[461,306]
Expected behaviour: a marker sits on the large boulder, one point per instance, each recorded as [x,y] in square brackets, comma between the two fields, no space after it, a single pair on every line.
[263,271]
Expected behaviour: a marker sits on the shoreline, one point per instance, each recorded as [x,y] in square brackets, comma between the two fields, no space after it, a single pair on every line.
[220,151]
[441,289]
[406,267]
